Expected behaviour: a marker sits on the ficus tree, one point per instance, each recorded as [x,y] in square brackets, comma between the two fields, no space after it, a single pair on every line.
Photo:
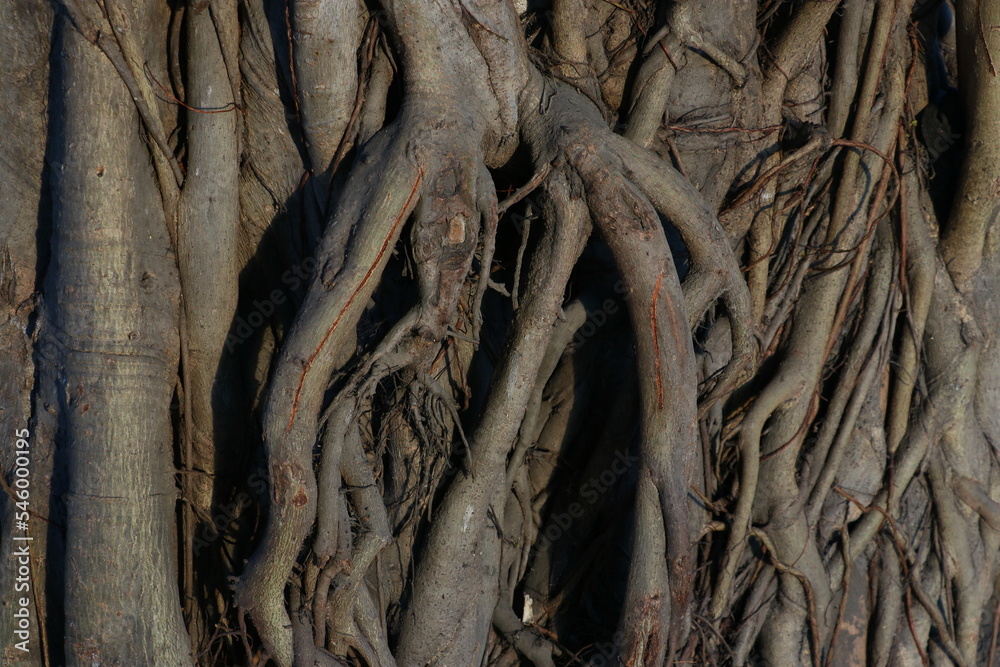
[458,332]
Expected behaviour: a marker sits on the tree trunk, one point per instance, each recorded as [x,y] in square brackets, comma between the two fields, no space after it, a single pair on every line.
[463,333]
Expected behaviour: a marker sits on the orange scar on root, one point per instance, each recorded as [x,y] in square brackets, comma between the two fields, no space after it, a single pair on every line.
[371,270]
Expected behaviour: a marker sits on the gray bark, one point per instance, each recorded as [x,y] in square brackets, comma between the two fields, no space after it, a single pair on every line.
[494,333]
[109,324]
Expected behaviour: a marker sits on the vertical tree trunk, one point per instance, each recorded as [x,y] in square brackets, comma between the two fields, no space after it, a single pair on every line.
[110,325]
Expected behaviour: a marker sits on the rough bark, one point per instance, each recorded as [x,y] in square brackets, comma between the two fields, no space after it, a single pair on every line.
[109,324]
[494,333]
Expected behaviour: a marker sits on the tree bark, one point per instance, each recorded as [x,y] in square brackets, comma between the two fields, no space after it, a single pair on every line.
[498,333]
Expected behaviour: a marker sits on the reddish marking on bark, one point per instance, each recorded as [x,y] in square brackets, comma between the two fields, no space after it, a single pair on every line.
[287,485]
[669,55]
[681,581]
[371,269]
[649,635]
[656,342]
[87,650]
[291,63]
[229,106]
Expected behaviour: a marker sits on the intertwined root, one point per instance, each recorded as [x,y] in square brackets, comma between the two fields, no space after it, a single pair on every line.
[593,173]
[626,190]
[446,195]
[432,170]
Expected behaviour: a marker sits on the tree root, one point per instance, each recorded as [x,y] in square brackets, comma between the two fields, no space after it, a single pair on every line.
[444,237]
[630,225]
